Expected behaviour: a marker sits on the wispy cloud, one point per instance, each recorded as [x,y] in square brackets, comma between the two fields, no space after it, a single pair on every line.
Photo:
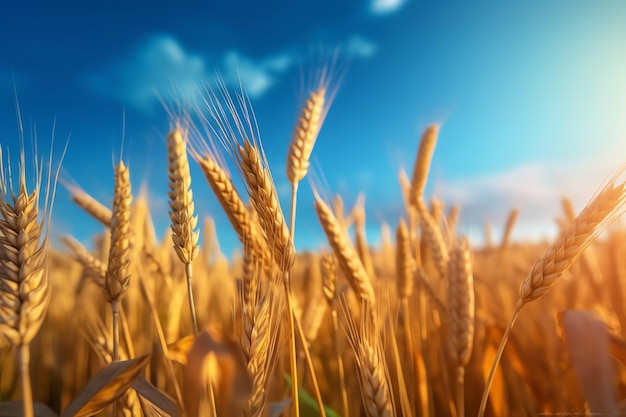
[535,189]
[383,7]
[162,66]
[256,76]
[158,65]
[359,47]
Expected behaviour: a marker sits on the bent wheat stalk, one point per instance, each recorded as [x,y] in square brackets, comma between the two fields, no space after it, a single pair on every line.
[595,218]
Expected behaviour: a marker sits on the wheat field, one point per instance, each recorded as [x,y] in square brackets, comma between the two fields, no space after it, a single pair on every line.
[422,324]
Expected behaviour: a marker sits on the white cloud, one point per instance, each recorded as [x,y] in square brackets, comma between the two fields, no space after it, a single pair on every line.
[359,47]
[255,76]
[162,66]
[536,190]
[381,7]
[158,66]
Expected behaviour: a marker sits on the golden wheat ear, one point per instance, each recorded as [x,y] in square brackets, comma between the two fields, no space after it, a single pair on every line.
[347,256]
[461,315]
[117,278]
[24,282]
[184,222]
[606,207]
[310,120]
[432,231]
[305,135]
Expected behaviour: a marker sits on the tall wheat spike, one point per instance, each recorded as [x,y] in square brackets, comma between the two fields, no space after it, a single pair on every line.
[607,205]
[405,265]
[348,259]
[93,266]
[236,127]
[461,315]
[117,278]
[24,287]
[372,368]
[508,229]
[184,222]
[93,207]
[362,248]
[305,135]
[431,230]
[231,202]
[265,201]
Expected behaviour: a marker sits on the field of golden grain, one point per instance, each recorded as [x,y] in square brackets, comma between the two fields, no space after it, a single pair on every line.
[421,325]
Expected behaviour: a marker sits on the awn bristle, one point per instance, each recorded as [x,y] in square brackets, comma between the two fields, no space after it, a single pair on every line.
[461,303]
[24,288]
[93,207]
[405,265]
[184,222]
[346,255]
[265,201]
[605,208]
[117,277]
[305,135]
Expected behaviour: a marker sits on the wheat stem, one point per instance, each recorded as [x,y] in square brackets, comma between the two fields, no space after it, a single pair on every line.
[340,370]
[192,307]
[292,217]
[494,365]
[27,393]
[116,331]
[460,392]
[309,361]
[292,350]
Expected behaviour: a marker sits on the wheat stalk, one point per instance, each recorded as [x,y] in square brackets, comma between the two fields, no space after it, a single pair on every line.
[117,278]
[265,201]
[348,259]
[595,218]
[257,346]
[431,230]
[422,164]
[362,248]
[183,219]
[93,207]
[372,368]
[508,229]
[93,266]
[405,265]
[461,315]
[24,286]
[231,202]
[305,135]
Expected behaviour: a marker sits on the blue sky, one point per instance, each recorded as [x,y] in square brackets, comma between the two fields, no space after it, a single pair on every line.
[531,96]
